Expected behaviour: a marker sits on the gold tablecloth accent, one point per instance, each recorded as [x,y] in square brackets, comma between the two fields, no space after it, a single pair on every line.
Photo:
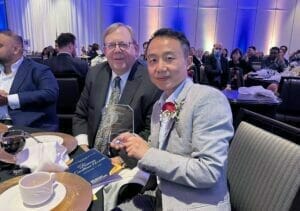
[79,192]
[3,128]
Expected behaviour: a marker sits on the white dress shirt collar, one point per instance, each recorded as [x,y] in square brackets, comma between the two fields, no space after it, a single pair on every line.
[123,81]
[14,67]
[172,98]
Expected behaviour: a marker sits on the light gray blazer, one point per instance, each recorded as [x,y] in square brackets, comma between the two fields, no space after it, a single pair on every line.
[192,169]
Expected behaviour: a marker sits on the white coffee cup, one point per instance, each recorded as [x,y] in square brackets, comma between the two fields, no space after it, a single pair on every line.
[36,188]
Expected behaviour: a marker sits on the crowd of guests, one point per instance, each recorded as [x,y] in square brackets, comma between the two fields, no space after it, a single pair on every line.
[185,148]
[217,68]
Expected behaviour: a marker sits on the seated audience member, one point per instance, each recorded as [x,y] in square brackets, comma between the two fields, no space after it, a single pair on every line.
[28,90]
[238,68]
[194,68]
[189,140]
[282,53]
[83,51]
[199,54]
[143,55]
[250,57]
[65,60]
[274,61]
[295,57]
[94,51]
[48,52]
[98,59]
[216,67]
[134,89]
[225,53]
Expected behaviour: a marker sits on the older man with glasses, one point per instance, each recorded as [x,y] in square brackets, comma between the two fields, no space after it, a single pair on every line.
[274,61]
[216,67]
[122,79]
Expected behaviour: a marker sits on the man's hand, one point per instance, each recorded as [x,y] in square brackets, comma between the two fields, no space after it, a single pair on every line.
[3,98]
[84,147]
[117,161]
[133,144]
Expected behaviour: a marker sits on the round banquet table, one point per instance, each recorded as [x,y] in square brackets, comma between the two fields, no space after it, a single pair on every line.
[3,128]
[253,80]
[78,195]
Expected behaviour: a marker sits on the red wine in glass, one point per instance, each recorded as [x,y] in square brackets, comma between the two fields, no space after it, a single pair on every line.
[13,141]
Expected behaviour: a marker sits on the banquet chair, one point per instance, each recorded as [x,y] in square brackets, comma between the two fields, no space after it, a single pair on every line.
[263,171]
[68,96]
[271,125]
[289,110]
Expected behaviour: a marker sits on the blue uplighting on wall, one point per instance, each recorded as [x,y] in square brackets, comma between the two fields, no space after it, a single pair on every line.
[243,38]
[177,22]
[117,14]
[245,27]
[3,18]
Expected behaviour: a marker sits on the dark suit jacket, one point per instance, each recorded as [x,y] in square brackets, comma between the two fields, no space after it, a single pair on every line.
[38,92]
[139,93]
[213,75]
[63,62]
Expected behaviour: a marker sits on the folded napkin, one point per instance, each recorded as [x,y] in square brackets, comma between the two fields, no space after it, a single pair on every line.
[257,90]
[49,156]
[263,72]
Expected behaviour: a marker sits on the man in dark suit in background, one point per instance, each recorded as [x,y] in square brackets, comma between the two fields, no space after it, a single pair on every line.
[216,68]
[28,90]
[137,91]
[65,60]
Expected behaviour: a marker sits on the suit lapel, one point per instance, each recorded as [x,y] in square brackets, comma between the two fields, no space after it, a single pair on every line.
[20,77]
[166,134]
[170,124]
[101,85]
[132,84]
[155,125]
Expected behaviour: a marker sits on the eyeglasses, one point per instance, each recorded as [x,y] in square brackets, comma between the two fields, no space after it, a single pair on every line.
[122,45]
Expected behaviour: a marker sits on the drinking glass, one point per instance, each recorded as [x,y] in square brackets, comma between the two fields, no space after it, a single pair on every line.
[13,141]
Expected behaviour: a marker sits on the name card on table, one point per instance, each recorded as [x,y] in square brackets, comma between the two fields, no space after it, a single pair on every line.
[94,167]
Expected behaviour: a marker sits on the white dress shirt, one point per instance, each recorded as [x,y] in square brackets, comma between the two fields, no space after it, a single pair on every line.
[82,139]
[6,81]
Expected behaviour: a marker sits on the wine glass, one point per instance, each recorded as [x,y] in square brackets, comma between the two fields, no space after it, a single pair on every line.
[13,141]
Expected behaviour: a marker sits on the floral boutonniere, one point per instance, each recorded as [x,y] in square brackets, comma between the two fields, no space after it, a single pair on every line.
[170,110]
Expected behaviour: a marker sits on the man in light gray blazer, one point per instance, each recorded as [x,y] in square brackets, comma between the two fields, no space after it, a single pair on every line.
[191,126]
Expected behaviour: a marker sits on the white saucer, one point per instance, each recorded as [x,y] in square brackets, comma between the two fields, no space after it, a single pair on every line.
[44,138]
[11,199]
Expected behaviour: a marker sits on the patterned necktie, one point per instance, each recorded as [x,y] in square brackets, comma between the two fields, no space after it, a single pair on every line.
[219,66]
[104,130]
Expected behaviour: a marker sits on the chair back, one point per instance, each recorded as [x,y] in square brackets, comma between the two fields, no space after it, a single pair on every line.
[271,125]
[263,170]
[289,90]
[68,95]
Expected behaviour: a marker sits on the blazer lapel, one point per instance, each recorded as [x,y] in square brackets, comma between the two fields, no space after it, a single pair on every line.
[101,86]
[155,125]
[170,124]
[166,133]
[20,77]
[132,85]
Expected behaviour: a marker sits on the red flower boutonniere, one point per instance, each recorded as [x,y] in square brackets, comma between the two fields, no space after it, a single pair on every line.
[170,110]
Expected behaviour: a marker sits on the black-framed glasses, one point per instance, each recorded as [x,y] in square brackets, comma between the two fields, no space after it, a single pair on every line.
[122,45]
